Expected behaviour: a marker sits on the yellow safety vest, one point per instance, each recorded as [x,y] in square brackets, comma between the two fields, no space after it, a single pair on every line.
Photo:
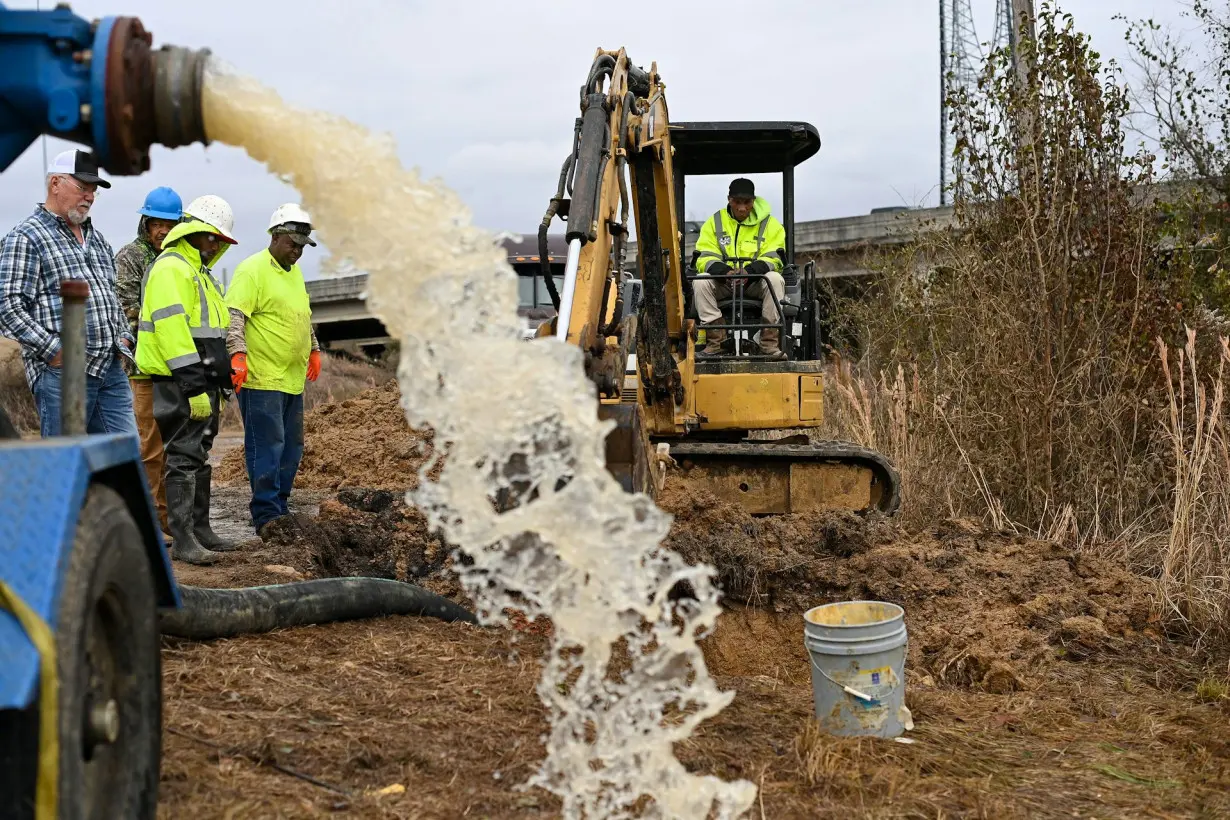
[278,326]
[736,244]
[184,319]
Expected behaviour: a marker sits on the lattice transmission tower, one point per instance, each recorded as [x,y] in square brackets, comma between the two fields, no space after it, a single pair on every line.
[961,59]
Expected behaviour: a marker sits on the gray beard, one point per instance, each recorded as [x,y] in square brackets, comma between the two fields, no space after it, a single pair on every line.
[77,218]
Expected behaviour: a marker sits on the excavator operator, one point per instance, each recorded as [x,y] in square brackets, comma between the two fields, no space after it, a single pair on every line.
[741,238]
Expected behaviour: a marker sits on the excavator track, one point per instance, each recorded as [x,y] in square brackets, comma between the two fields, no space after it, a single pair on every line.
[767,478]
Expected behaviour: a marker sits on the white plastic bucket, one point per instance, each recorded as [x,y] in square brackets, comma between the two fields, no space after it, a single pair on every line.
[857,651]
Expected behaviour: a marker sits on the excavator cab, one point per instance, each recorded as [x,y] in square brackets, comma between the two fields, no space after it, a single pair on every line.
[733,149]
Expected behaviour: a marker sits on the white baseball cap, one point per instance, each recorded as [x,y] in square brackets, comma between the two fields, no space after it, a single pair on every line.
[80,165]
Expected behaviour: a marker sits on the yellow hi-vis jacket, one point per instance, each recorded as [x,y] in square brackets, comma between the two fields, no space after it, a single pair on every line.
[183,324]
[757,244]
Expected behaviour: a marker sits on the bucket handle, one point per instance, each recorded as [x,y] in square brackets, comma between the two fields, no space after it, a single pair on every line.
[863,696]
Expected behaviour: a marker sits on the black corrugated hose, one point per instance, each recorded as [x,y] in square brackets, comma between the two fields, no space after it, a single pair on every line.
[223,613]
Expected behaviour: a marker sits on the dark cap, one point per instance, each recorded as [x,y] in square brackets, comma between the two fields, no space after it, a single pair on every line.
[80,165]
[742,187]
[300,232]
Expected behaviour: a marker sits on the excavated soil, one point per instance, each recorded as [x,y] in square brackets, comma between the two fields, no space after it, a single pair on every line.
[984,610]
[1040,681]
[353,532]
[360,442]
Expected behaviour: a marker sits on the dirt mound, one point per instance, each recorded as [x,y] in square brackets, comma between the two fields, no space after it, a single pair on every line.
[983,609]
[365,532]
[987,610]
[364,441]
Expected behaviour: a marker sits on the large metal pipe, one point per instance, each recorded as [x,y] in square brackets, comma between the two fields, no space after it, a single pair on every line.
[148,97]
[97,83]
[74,293]
[179,77]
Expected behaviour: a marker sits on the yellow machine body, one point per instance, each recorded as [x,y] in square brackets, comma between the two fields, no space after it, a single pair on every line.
[707,411]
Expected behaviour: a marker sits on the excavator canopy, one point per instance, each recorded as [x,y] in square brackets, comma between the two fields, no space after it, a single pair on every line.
[742,147]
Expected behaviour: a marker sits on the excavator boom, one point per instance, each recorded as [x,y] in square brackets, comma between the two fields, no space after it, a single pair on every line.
[701,413]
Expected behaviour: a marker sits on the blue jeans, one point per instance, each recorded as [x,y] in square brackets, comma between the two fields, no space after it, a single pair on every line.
[272,448]
[108,402]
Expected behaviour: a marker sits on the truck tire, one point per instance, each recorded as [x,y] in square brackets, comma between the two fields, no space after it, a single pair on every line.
[110,670]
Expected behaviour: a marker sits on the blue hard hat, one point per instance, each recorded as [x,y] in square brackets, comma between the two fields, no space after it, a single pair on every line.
[163,203]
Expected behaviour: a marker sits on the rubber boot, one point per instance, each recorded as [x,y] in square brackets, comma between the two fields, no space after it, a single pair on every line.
[181,495]
[713,342]
[204,533]
[769,344]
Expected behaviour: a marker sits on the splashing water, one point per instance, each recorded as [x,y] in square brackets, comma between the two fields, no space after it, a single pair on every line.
[517,421]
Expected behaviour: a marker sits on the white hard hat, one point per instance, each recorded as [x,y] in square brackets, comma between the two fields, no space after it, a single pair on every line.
[215,211]
[293,220]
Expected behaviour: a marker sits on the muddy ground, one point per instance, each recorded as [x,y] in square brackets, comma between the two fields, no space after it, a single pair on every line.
[1040,682]
[1040,679]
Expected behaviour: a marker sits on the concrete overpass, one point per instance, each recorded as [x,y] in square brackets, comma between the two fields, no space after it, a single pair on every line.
[341,317]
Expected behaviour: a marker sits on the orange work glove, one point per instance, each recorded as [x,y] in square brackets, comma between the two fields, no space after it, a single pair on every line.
[239,370]
[313,366]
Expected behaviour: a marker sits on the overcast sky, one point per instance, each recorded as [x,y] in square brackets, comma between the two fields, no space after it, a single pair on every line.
[483,94]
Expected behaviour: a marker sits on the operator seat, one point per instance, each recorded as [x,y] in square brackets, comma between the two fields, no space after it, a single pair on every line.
[751,307]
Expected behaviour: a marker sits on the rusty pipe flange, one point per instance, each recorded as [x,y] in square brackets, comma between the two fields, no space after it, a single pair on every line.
[150,97]
[128,98]
[179,77]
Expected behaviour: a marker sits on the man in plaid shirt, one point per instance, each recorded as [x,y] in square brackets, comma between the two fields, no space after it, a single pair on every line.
[58,241]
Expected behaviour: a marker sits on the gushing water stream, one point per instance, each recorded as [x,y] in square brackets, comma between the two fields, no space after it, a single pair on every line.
[516,420]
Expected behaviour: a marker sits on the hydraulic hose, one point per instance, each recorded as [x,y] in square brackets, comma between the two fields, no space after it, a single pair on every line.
[223,613]
[620,232]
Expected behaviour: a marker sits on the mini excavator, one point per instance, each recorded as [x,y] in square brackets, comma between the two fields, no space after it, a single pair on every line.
[628,157]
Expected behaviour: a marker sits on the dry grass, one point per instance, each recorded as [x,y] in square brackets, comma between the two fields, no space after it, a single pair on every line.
[1195,558]
[1075,744]
[1010,364]
[1179,542]
[891,413]
[1031,755]
[942,475]
[443,718]
[449,713]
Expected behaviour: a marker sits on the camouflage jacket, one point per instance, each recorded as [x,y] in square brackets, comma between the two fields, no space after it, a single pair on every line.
[130,265]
